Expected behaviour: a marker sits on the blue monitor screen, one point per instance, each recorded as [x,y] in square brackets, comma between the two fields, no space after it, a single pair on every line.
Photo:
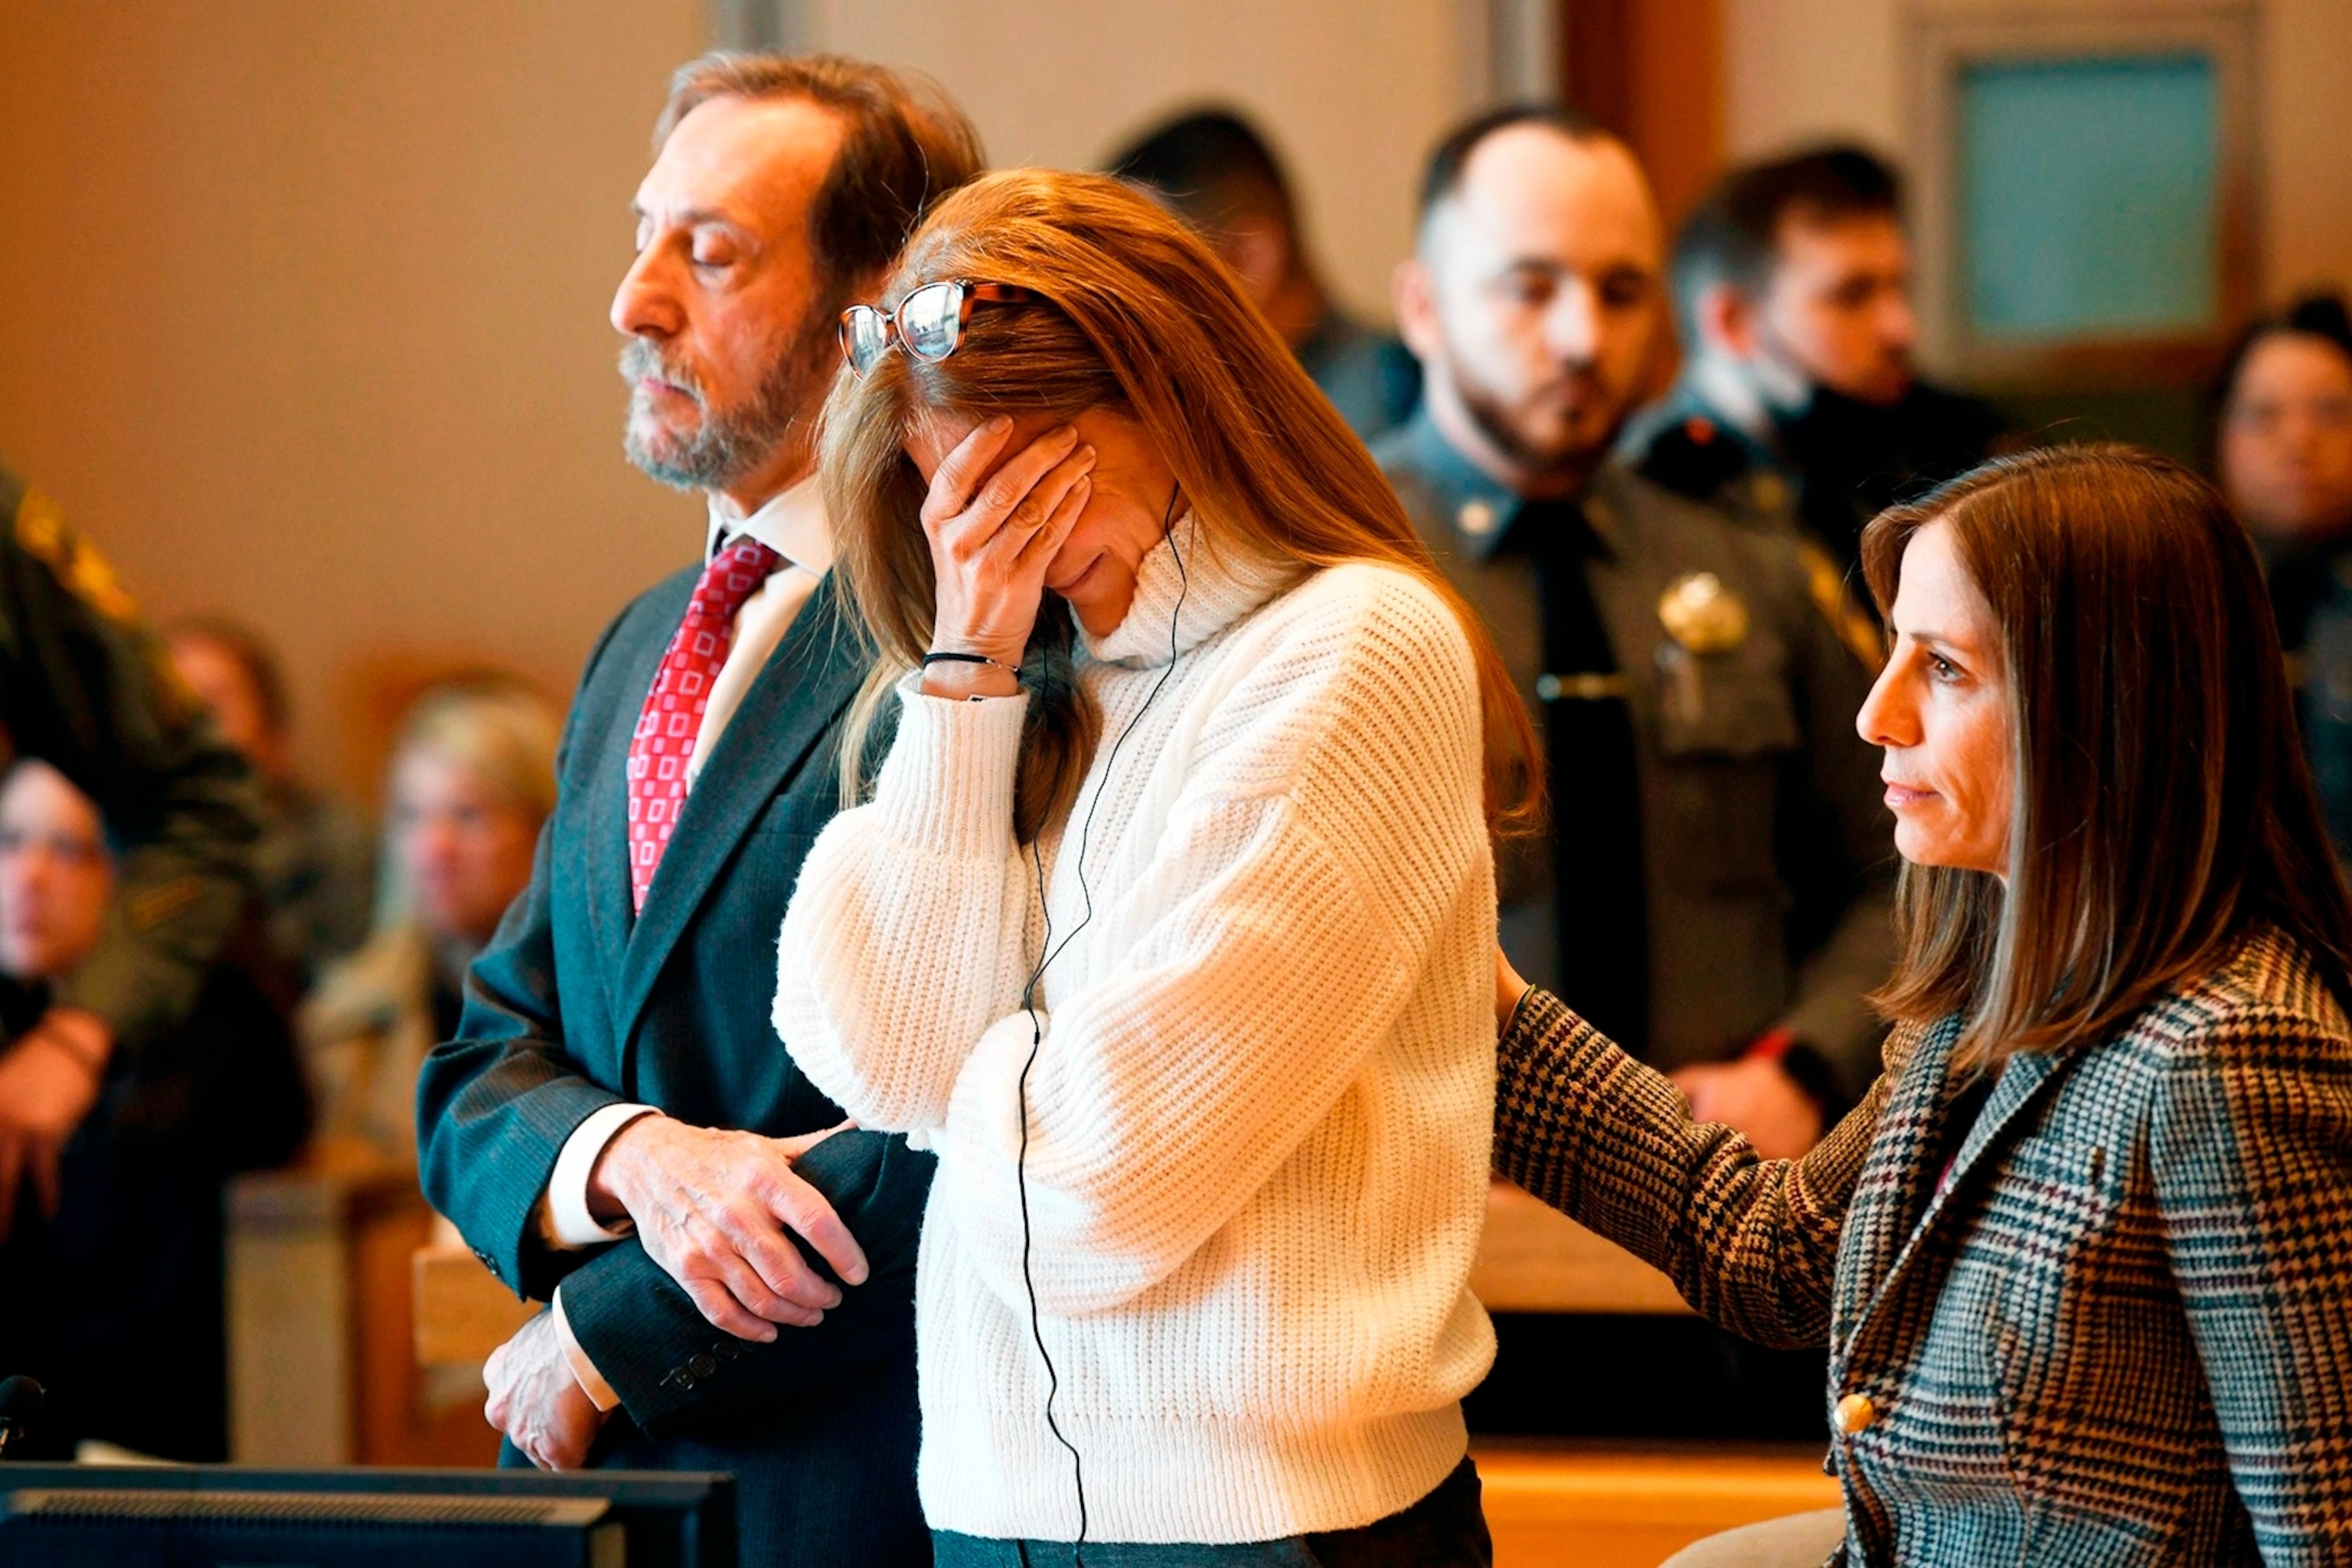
[2087,191]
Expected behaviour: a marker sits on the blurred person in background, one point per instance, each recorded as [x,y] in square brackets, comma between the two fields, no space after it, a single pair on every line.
[471,780]
[112,1270]
[314,864]
[1799,398]
[84,686]
[1213,170]
[2283,454]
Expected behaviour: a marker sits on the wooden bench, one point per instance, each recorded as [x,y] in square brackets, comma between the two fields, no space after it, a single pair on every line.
[1586,1503]
[1590,1507]
[1533,1258]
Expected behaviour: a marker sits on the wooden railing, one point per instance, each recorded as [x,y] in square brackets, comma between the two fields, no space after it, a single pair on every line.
[1533,1258]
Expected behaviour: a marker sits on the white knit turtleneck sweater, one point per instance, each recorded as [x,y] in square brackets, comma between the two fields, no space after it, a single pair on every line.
[1259,1116]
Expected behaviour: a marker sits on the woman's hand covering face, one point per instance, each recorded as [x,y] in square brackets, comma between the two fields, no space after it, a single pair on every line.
[995,527]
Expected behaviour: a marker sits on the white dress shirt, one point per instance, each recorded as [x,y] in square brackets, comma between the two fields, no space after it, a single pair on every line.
[793,525]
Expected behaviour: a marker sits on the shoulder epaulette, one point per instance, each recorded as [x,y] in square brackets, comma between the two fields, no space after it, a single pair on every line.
[1693,458]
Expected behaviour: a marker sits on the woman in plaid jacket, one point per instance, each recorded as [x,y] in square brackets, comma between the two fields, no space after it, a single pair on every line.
[2082,1256]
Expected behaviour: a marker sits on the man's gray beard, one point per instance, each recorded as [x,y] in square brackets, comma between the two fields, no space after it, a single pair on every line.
[726,444]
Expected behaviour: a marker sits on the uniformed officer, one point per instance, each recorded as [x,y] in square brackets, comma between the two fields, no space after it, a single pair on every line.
[1715,892]
[83,686]
[2283,453]
[1799,402]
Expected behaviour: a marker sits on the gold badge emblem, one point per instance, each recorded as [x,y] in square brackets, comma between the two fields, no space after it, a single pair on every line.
[1702,615]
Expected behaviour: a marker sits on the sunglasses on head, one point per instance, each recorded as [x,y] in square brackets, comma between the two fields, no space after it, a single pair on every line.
[929,321]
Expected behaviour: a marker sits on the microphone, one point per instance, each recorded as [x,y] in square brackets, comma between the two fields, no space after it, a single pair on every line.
[20,1404]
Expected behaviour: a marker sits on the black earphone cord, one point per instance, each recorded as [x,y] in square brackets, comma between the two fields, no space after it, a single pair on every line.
[1048,950]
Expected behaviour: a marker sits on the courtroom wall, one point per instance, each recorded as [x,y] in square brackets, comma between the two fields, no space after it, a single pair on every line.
[303,303]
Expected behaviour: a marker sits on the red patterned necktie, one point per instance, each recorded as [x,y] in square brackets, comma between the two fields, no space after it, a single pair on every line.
[672,718]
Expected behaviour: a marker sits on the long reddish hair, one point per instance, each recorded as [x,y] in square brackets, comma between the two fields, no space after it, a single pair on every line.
[1137,316]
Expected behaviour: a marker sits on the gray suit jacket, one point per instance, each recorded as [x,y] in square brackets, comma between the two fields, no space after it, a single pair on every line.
[2114,1333]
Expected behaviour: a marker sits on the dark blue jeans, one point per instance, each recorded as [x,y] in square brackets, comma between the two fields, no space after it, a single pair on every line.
[1444,1529]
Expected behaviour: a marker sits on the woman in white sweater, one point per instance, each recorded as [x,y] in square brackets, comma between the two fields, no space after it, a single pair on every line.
[1169,920]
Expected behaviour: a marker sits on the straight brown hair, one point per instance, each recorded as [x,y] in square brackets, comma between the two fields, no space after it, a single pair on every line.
[1137,316]
[2162,805]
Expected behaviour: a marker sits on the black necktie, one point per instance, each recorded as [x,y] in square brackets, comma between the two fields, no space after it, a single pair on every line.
[1596,807]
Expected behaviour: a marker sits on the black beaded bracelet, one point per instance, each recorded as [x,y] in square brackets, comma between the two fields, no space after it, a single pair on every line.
[931,658]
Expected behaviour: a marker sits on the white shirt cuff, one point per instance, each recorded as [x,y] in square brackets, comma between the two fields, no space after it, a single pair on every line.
[565,1223]
[592,1382]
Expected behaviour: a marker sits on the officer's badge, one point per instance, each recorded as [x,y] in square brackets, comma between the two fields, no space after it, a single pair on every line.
[1702,615]
[43,532]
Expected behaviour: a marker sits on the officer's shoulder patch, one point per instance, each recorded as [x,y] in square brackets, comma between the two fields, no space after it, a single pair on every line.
[1693,458]
[44,534]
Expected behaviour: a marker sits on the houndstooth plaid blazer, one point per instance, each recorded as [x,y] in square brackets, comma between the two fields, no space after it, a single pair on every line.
[2120,1331]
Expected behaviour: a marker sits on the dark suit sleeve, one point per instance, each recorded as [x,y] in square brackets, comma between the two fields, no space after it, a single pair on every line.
[1846,856]
[87,689]
[671,1366]
[495,1105]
